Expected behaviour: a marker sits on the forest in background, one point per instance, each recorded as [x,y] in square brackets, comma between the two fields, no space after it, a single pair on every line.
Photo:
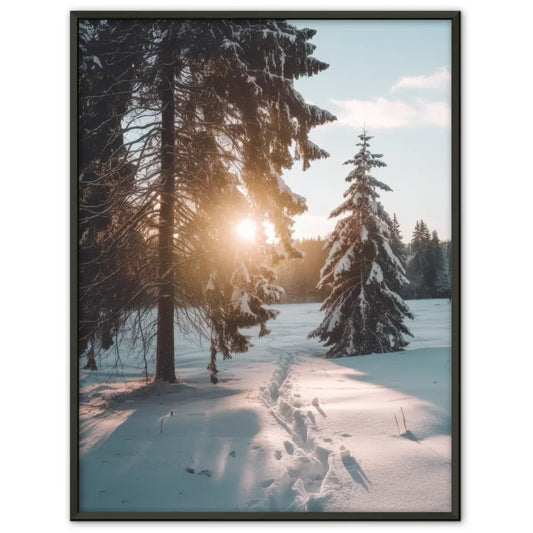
[428,268]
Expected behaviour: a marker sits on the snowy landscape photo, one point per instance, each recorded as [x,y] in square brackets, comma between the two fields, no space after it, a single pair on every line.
[267,262]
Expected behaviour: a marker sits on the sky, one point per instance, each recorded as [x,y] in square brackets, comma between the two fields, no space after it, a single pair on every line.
[394,78]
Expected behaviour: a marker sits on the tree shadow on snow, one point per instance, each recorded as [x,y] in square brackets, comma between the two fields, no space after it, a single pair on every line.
[152,402]
[424,374]
[145,465]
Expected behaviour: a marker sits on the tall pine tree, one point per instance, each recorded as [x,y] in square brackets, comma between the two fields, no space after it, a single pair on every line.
[363,315]
[109,280]
[433,263]
[417,268]
[229,83]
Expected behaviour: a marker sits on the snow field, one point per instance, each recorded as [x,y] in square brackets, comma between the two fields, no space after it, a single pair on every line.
[285,430]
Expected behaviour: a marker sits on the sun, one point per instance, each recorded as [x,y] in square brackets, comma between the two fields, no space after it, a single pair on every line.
[246,229]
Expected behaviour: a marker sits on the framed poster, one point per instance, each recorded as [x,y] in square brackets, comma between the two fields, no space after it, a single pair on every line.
[265,265]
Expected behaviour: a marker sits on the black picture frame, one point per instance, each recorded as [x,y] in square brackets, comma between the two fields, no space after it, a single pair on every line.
[455,514]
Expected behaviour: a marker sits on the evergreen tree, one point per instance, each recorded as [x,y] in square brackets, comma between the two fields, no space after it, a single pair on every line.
[433,264]
[226,83]
[428,268]
[419,264]
[396,241]
[396,244]
[237,291]
[233,274]
[363,315]
[109,280]
[443,283]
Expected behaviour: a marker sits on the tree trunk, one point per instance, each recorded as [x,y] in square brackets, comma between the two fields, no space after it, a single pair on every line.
[165,370]
[213,371]
[91,362]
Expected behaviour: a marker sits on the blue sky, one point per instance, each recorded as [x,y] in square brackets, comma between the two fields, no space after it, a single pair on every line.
[394,76]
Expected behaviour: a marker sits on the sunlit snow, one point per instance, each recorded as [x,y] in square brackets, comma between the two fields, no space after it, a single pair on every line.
[285,430]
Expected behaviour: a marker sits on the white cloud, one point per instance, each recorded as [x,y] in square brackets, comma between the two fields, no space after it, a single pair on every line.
[440,79]
[381,113]
[435,113]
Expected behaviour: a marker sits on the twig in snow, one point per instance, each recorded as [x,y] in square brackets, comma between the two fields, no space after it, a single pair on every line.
[404,422]
[397,425]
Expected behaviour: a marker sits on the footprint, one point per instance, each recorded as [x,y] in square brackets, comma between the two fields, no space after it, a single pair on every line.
[327,439]
[289,446]
[278,454]
[322,455]
[300,427]
[274,391]
[345,435]
[266,483]
[316,405]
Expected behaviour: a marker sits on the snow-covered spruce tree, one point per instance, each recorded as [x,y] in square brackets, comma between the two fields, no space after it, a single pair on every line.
[363,315]
[233,82]
[242,100]
[236,293]
[233,274]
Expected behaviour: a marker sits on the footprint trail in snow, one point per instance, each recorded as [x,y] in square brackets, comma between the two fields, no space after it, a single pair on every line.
[308,463]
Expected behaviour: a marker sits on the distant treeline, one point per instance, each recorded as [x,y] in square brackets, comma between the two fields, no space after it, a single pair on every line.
[428,265]
[299,277]
[428,268]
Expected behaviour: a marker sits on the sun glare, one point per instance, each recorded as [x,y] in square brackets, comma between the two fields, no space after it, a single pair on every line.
[246,229]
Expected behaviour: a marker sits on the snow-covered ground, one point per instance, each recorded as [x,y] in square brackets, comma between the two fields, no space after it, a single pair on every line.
[284,430]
